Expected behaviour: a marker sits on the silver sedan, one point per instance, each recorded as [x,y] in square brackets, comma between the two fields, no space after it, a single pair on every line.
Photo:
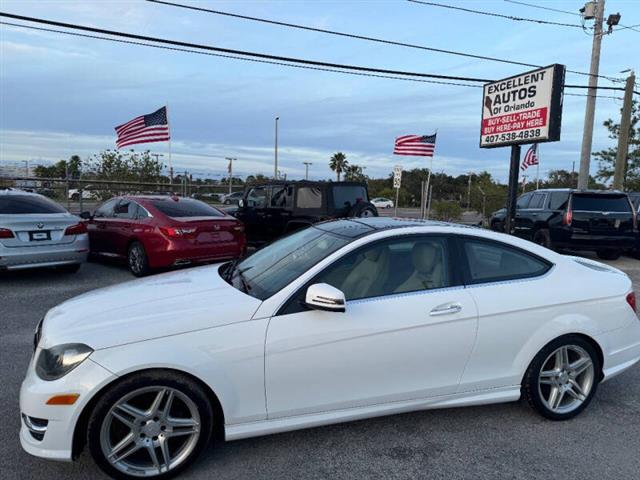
[37,232]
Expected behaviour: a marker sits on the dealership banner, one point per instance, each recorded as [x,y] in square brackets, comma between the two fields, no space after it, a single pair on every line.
[526,108]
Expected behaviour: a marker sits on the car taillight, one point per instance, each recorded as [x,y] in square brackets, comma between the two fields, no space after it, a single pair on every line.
[567,217]
[631,300]
[175,232]
[6,233]
[77,229]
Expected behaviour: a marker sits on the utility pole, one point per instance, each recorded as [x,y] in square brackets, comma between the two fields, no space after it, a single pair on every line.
[306,170]
[589,113]
[623,135]
[469,192]
[275,166]
[230,170]
[26,167]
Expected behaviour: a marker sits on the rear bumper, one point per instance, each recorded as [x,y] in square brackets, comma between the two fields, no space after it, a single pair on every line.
[182,253]
[45,256]
[621,348]
[580,241]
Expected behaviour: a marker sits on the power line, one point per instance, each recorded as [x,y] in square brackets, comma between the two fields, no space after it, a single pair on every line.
[544,8]
[247,59]
[363,37]
[253,56]
[230,51]
[492,14]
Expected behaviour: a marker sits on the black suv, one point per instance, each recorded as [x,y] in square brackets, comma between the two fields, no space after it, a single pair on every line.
[272,209]
[603,221]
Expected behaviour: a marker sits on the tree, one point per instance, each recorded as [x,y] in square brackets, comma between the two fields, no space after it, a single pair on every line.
[338,163]
[61,169]
[607,158]
[354,173]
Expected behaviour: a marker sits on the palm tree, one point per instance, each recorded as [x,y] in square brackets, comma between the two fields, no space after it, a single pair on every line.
[338,163]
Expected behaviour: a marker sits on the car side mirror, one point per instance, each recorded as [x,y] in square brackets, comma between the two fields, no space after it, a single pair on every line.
[241,202]
[322,296]
[86,215]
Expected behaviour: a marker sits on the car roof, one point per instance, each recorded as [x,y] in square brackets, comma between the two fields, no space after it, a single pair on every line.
[575,190]
[357,227]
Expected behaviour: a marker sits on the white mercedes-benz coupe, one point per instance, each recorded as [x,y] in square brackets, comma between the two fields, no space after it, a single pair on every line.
[341,321]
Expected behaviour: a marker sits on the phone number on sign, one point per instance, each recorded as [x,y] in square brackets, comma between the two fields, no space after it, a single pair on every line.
[507,137]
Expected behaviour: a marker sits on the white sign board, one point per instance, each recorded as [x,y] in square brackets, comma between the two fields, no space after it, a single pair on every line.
[397,176]
[526,108]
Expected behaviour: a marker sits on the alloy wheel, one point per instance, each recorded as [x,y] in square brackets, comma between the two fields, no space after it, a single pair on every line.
[566,379]
[136,259]
[150,431]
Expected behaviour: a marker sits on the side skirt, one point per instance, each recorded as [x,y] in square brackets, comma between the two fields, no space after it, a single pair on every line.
[286,424]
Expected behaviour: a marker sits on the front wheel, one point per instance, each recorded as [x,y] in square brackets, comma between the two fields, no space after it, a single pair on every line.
[137,260]
[543,238]
[150,425]
[562,378]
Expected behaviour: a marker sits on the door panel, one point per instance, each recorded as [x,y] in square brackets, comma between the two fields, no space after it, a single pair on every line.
[383,349]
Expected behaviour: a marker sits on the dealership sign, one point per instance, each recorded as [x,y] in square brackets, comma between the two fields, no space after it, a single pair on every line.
[526,108]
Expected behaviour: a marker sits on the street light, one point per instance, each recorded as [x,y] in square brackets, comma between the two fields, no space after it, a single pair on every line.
[306,169]
[275,167]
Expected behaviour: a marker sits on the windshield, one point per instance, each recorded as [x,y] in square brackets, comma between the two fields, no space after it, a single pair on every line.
[23,204]
[185,207]
[272,268]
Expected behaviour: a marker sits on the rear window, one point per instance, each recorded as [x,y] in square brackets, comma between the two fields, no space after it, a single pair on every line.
[346,196]
[185,207]
[600,203]
[21,204]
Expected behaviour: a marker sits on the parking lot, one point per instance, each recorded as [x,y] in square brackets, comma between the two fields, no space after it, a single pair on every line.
[498,441]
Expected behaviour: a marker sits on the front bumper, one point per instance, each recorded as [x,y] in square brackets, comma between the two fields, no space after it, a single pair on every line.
[18,258]
[55,440]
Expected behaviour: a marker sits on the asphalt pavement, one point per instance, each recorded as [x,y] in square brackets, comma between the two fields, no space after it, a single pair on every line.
[507,441]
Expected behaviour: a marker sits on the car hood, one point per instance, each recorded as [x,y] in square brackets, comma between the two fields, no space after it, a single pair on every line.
[153,307]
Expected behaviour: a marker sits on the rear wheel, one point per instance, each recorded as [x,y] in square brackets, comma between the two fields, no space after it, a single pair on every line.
[543,237]
[363,210]
[608,254]
[497,226]
[150,425]
[563,378]
[137,260]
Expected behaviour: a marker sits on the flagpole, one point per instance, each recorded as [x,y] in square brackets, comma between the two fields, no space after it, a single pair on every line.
[428,194]
[170,163]
[537,169]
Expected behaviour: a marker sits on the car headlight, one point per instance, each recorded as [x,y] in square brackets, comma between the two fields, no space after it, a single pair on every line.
[55,362]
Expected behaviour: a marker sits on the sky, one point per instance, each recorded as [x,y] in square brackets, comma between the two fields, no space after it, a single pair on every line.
[62,95]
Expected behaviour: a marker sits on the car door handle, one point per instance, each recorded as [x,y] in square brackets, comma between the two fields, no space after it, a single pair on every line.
[446,309]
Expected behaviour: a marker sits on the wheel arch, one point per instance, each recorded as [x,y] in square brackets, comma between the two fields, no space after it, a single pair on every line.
[80,428]
[596,346]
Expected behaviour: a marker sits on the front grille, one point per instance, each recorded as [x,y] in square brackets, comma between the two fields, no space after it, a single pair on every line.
[37,426]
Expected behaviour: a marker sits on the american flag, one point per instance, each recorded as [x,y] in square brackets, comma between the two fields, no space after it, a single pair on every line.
[416,145]
[153,127]
[530,158]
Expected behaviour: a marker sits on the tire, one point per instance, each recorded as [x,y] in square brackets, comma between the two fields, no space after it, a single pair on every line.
[137,260]
[561,372]
[363,210]
[608,254]
[497,226]
[73,268]
[543,238]
[150,428]
[75,197]
[227,202]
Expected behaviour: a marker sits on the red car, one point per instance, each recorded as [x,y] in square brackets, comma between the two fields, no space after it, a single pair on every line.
[161,231]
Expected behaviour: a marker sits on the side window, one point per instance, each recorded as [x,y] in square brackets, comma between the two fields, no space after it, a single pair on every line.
[125,209]
[493,261]
[281,197]
[386,268]
[141,212]
[257,197]
[106,210]
[309,197]
[523,201]
[558,200]
[537,200]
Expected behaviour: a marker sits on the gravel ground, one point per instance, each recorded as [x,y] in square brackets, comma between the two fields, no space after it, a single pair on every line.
[506,441]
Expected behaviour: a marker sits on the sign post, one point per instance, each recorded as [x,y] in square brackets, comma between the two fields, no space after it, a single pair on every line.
[525,108]
[397,181]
